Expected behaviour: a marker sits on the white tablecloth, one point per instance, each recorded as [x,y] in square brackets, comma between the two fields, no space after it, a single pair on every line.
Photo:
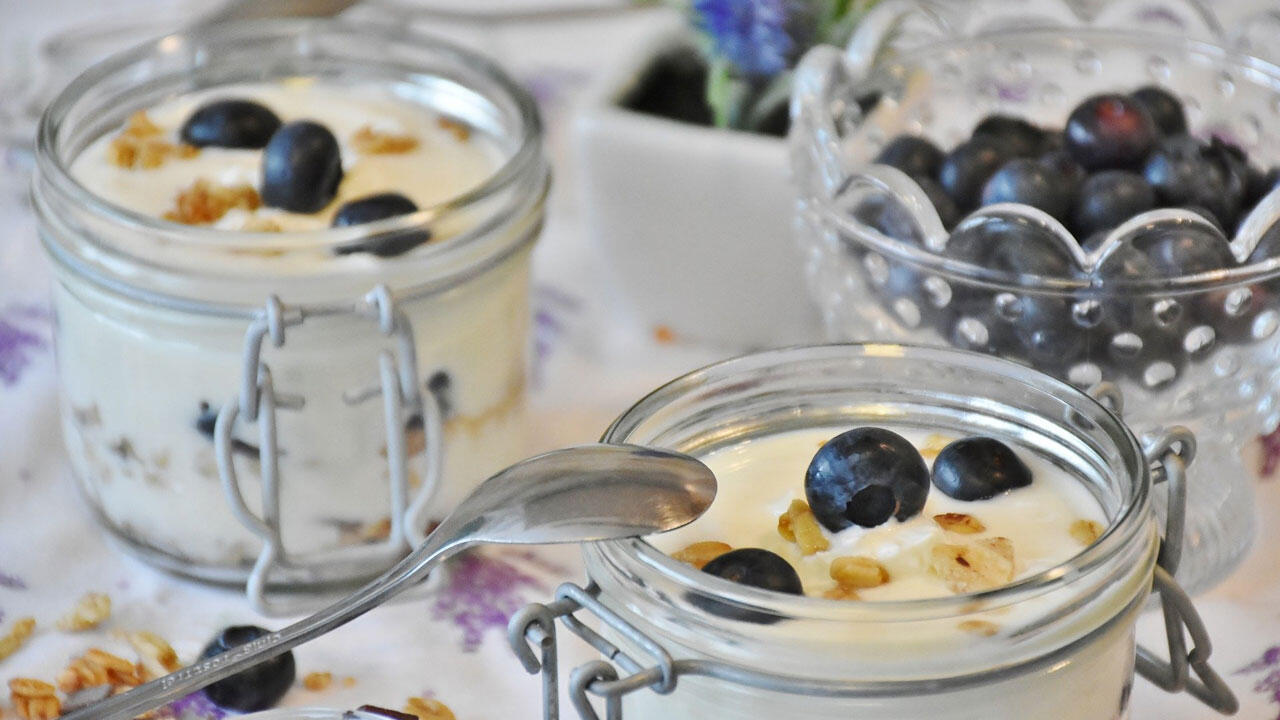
[448,644]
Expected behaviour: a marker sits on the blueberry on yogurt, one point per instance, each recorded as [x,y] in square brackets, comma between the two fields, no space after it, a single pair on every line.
[756,568]
[301,167]
[978,468]
[257,688]
[230,124]
[864,477]
[372,209]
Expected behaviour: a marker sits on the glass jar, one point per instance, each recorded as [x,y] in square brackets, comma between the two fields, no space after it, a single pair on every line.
[1064,647]
[162,328]
[1197,350]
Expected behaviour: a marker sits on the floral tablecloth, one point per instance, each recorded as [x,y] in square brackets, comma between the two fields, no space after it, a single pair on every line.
[447,643]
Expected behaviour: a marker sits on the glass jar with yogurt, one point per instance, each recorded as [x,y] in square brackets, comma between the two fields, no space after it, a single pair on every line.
[274,386]
[1055,639]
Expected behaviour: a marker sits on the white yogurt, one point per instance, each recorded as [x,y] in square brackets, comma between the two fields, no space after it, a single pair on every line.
[134,375]
[759,478]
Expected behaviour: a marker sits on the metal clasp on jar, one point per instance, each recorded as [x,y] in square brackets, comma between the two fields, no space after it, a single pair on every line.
[1168,453]
[258,401]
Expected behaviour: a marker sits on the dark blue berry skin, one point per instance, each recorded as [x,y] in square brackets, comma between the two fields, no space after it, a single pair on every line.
[301,167]
[756,568]
[1260,184]
[978,468]
[864,477]
[753,567]
[967,168]
[1110,131]
[230,124]
[1019,137]
[372,209]
[912,155]
[948,213]
[890,217]
[1134,314]
[258,688]
[1165,109]
[1174,252]
[1061,162]
[1109,198]
[1185,172]
[1030,182]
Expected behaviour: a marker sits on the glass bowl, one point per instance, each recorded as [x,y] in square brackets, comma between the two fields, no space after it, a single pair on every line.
[1196,349]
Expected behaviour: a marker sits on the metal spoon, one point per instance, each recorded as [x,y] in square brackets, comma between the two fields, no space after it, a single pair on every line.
[593,492]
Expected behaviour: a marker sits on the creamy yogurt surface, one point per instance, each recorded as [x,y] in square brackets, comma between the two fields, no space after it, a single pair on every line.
[759,478]
[446,160]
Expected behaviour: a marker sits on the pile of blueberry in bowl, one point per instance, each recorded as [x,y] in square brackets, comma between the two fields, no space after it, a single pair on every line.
[1094,252]
[1098,204]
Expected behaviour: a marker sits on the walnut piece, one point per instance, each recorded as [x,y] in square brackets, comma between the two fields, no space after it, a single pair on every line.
[156,655]
[460,130]
[982,565]
[962,523]
[140,145]
[933,444]
[13,640]
[34,699]
[701,553]
[375,142]
[841,592]
[428,709]
[317,681]
[799,525]
[1086,532]
[205,203]
[89,612]
[858,572]
[979,627]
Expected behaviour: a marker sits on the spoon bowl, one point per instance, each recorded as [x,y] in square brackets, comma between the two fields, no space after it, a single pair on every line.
[580,494]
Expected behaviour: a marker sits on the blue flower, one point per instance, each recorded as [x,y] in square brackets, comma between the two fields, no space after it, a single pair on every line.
[750,34]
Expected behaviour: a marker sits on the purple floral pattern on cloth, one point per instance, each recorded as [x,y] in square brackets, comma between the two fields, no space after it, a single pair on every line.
[552,311]
[12,582]
[483,591]
[19,339]
[1269,666]
[195,706]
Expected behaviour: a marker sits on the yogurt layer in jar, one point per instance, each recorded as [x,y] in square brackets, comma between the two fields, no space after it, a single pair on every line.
[1051,637]
[167,249]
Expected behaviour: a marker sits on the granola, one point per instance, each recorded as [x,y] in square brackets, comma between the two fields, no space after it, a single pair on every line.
[204,203]
[90,611]
[799,525]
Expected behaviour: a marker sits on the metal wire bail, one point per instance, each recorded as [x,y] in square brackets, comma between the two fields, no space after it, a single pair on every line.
[258,401]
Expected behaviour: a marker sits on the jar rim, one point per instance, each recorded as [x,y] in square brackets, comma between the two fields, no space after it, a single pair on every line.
[1131,520]
[953,269]
[524,164]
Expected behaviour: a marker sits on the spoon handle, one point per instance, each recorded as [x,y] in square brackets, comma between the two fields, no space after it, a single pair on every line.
[194,677]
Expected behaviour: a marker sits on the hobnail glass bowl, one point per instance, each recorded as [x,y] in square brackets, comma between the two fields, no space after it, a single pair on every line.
[1198,350]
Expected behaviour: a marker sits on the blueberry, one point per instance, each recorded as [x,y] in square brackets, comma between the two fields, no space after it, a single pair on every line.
[301,167]
[1175,252]
[948,213]
[1135,332]
[257,688]
[912,155]
[756,568]
[1165,109]
[1051,341]
[865,476]
[1018,137]
[1029,182]
[1109,198]
[1185,172]
[230,124]
[1109,131]
[1011,247]
[1061,162]
[978,468]
[1260,184]
[890,217]
[966,169]
[372,209]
